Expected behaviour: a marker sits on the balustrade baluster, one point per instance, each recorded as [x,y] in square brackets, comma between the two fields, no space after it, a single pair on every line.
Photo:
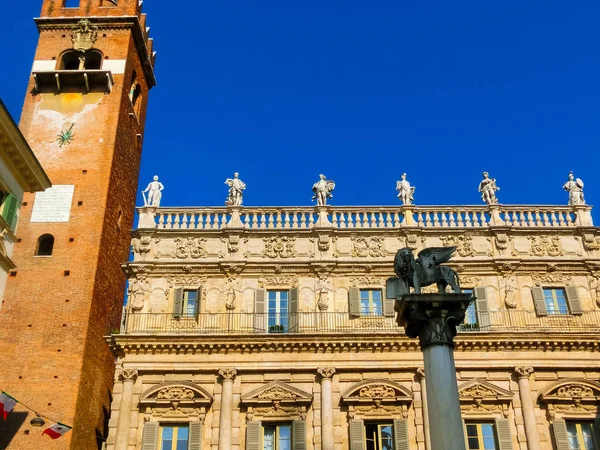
[161,220]
[168,224]
[561,219]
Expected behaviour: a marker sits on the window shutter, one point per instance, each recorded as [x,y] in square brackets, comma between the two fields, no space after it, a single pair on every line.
[9,212]
[561,437]
[298,435]
[198,300]
[388,304]
[503,432]
[259,310]
[357,435]
[573,300]
[195,436]
[481,306]
[293,312]
[401,434]
[253,435]
[150,436]
[597,430]
[538,301]
[354,298]
[391,288]
[178,303]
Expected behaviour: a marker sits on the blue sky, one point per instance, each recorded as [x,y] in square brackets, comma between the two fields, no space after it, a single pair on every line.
[360,91]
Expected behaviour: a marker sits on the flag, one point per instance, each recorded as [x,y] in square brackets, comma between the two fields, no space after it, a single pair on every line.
[7,403]
[57,430]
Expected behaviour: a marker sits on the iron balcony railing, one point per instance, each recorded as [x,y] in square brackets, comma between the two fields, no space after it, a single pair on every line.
[308,323]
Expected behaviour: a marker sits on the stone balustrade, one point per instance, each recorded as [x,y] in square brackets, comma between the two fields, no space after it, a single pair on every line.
[371,217]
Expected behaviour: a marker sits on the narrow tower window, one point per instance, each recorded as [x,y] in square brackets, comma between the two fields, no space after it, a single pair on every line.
[45,245]
[71,3]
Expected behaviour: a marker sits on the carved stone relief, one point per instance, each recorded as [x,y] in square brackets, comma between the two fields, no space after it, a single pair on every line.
[572,397]
[591,242]
[138,290]
[463,244]
[190,247]
[508,286]
[279,280]
[363,247]
[367,280]
[478,396]
[186,280]
[141,245]
[550,277]
[279,247]
[595,285]
[545,246]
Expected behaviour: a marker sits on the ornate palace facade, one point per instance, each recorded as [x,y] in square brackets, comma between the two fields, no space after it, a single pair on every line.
[269,328]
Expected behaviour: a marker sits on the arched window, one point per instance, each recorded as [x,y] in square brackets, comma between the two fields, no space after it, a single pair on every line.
[45,245]
[74,60]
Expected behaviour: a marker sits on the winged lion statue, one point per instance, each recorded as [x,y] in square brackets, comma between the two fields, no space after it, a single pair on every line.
[421,271]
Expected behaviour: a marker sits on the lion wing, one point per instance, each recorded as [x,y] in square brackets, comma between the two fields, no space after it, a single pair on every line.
[433,256]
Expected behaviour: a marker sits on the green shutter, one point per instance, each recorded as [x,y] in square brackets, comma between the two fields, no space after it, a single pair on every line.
[195,442]
[388,304]
[293,312]
[481,306]
[354,299]
[178,302]
[149,436]
[357,435]
[597,431]
[538,301]
[561,437]
[401,434]
[573,300]
[198,300]
[9,210]
[253,435]
[298,435]
[503,432]
[259,310]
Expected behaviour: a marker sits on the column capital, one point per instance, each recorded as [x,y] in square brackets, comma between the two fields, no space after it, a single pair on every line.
[433,318]
[326,372]
[523,371]
[228,374]
[420,373]
[128,374]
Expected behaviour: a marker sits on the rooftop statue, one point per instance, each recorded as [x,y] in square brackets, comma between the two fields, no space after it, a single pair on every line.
[488,189]
[575,188]
[422,271]
[154,190]
[405,191]
[322,190]
[236,190]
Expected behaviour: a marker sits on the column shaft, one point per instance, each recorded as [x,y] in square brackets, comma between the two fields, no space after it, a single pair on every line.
[528,408]
[122,440]
[327,438]
[225,418]
[443,404]
[425,408]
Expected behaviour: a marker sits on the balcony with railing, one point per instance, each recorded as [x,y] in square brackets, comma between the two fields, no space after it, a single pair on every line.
[343,323]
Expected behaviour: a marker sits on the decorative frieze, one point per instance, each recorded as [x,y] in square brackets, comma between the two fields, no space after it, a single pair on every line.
[190,247]
[363,247]
[545,246]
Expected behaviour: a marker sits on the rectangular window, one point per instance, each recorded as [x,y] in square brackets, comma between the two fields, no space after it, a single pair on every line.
[190,302]
[471,312]
[379,436]
[277,437]
[581,436]
[371,303]
[481,436]
[556,301]
[174,437]
[71,3]
[278,303]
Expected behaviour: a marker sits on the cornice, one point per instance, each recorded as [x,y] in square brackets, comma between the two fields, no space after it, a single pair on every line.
[355,343]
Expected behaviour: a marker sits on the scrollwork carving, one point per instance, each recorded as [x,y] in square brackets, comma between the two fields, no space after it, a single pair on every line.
[128,374]
[175,393]
[463,244]
[545,246]
[279,280]
[228,374]
[280,247]
[363,247]
[377,391]
[141,245]
[190,247]
[326,372]
[276,393]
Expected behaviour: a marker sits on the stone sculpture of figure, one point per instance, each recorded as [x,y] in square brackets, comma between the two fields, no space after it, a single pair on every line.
[154,190]
[322,190]
[575,189]
[488,189]
[405,191]
[137,293]
[422,271]
[236,190]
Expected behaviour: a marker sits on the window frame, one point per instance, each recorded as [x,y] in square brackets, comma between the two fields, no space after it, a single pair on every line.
[372,307]
[281,320]
[276,426]
[555,310]
[175,426]
[379,435]
[186,292]
[480,437]
[579,432]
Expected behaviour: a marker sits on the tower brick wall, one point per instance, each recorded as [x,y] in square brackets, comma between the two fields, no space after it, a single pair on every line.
[58,309]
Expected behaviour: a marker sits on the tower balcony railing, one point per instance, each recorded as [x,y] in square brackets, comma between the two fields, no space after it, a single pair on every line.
[364,217]
[344,323]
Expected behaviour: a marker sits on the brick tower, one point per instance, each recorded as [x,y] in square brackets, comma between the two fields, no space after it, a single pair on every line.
[83,116]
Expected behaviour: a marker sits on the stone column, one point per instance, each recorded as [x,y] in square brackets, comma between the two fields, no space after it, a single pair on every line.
[225,419]
[433,319]
[128,377]
[327,436]
[528,408]
[423,382]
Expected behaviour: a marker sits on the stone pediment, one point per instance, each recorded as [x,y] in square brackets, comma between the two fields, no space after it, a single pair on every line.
[183,393]
[572,397]
[381,390]
[276,391]
[480,389]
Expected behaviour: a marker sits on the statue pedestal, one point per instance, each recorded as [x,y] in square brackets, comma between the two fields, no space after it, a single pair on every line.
[322,219]
[147,216]
[235,220]
[433,318]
